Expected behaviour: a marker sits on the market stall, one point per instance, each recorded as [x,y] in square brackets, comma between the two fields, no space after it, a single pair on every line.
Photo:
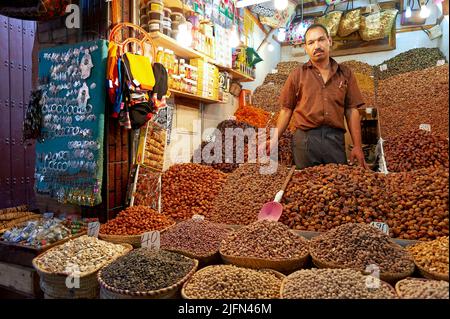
[183,77]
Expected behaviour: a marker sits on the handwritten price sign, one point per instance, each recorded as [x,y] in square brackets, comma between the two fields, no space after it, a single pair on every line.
[198,217]
[151,239]
[93,229]
[425,127]
[381,226]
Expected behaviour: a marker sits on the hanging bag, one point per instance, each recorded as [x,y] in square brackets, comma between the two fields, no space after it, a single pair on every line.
[330,20]
[350,21]
[377,24]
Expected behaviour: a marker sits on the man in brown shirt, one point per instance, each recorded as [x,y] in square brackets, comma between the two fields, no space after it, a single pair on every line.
[319,94]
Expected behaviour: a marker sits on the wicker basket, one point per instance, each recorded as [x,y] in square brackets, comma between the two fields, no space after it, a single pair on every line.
[54,284]
[384,276]
[134,240]
[398,284]
[276,273]
[281,265]
[431,274]
[382,283]
[108,292]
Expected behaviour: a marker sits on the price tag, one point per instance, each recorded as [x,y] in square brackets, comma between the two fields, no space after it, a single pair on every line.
[198,217]
[440,62]
[48,215]
[93,229]
[383,67]
[151,239]
[425,127]
[232,118]
[381,226]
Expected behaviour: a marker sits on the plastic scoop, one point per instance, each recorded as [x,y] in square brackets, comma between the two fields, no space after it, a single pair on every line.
[273,210]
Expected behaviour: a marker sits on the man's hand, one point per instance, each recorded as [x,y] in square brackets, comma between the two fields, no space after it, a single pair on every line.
[358,155]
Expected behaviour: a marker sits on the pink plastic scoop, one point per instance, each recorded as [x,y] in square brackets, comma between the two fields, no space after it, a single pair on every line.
[273,210]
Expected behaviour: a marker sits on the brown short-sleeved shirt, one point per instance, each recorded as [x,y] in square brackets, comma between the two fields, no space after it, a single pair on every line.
[316,103]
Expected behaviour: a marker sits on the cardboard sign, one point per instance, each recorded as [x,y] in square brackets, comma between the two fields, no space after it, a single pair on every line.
[93,229]
[381,226]
[151,239]
[198,217]
[440,62]
[383,67]
[425,127]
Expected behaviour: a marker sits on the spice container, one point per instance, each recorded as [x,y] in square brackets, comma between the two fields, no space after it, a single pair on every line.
[144,19]
[155,10]
[160,55]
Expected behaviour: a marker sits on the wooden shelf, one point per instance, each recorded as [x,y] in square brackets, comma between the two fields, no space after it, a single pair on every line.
[187,53]
[194,97]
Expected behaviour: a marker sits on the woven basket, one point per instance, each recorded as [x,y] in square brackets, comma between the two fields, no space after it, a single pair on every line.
[431,274]
[276,273]
[398,284]
[281,265]
[108,292]
[382,283]
[134,240]
[384,276]
[54,284]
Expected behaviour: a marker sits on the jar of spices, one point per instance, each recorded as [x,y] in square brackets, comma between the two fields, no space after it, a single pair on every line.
[160,55]
[167,12]
[182,67]
[155,10]
[176,67]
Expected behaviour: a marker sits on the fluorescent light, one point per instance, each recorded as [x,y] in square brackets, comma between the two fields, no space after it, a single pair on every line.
[424,12]
[281,34]
[280,5]
[246,3]
[408,12]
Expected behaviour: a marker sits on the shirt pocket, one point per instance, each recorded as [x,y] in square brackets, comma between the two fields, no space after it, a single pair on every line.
[339,91]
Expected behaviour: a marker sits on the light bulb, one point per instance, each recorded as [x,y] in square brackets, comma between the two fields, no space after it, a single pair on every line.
[184,37]
[408,12]
[270,47]
[424,12]
[234,40]
[280,5]
[281,34]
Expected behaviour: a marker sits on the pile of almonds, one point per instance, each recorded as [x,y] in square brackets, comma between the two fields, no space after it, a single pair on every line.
[432,255]
[333,284]
[196,237]
[408,100]
[367,87]
[413,204]
[136,220]
[231,282]
[414,150]
[414,288]
[357,246]
[189,189]
[265,239]
[359,67]
[266,97]
[287,67]
[246,190]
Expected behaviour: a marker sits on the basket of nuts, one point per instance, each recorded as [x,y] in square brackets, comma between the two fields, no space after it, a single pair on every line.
[334,284]
[198,239]
[69,270]
[420,288]
[232,282]
[265,244]
[146,274]
[361,247]
[431,258]
[131,223]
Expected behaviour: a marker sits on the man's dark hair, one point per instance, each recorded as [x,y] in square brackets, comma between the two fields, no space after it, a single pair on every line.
[315,26]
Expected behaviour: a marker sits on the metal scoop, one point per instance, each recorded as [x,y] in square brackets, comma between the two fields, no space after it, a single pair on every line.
[273,210]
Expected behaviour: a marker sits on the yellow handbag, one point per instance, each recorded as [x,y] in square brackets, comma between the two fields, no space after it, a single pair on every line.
[350,21]
[330,20]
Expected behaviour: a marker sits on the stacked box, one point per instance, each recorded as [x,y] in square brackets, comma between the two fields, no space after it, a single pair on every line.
[208,79]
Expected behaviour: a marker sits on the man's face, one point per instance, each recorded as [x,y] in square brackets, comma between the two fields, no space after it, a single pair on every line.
[317,45]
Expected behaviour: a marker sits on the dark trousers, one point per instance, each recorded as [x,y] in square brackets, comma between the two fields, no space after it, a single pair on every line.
[322,145]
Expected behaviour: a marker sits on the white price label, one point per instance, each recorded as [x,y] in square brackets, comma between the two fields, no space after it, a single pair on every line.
[381,226]
[383,67]
[48,215]
[93,229]
[425,127]
[232,118]
[151,239]
[198,217]
[440,62]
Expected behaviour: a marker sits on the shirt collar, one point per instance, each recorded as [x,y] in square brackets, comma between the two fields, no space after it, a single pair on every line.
[334,65]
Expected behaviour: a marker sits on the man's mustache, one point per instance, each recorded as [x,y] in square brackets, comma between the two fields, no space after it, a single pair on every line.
[318,50]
